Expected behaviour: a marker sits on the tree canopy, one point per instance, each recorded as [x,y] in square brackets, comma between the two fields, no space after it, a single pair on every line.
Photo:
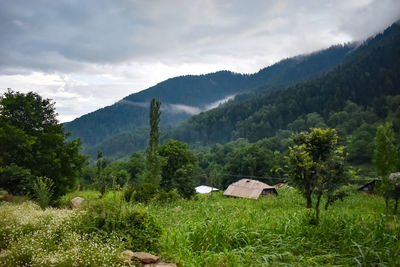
[181,165]
[316,164]
[34,144]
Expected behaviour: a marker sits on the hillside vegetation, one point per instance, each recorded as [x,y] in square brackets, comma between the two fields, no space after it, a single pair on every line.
[213,231]
[118,129]
[369,78]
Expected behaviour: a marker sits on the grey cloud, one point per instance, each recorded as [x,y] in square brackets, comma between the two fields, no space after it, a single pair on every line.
[67,36]
[139,43]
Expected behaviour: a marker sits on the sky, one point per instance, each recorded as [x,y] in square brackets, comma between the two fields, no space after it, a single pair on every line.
[88,54]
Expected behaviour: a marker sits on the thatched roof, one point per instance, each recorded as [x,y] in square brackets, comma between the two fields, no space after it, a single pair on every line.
[248,188]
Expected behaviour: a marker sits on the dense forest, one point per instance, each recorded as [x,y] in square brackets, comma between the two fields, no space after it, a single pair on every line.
[250,135]
[118,129]
[355,97]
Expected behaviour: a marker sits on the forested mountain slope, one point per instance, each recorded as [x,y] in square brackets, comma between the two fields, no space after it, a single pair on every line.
[365,78]
[122,123]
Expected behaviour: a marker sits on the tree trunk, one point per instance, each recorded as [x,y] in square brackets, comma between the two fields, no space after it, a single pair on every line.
[317,208]
[328,201]
[309,201]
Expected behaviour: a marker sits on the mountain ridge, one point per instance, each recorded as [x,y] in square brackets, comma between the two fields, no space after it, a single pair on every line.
[184,96]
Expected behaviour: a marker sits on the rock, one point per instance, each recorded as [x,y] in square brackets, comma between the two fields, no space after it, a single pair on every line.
[126,256]
[161,264]
[145,257]
[77,202]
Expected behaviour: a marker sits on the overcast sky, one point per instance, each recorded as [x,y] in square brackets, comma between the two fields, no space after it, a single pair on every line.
[88,54]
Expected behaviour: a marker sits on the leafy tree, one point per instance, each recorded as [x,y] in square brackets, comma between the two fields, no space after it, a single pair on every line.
[394,181]
[248,160]
[385,158]
[181,165]
[360,145]
[34,144]
[152,173]
[136,165]
[316,165]
[99,179]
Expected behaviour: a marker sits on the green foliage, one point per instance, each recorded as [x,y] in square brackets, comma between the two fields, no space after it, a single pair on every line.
[167,196]
[179,169]
[215,231]
[88,195]
[118,130]
[154,163]
[134,226]
[33,144]
[15,179]
[136,165]
[30,236]
[143,192]
[248,160]
[43,191]
[316,165]
[99,180]
[386,160]
[385,156]
[210,230]
[368,75]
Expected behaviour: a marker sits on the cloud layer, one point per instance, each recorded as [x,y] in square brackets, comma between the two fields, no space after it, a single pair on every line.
[87,54]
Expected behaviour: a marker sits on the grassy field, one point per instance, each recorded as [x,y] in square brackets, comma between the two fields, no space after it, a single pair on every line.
[211,230]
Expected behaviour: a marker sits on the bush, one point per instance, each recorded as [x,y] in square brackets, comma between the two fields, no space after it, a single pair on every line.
[89,195]
[30,236]
[7,197]
[134,226]
[43,191]
[167,197]
[143,192]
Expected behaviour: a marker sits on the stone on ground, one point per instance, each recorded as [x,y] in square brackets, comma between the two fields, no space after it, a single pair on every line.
[146,257]
[76,202]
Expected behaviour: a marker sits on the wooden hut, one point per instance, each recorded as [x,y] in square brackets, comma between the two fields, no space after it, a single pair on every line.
[247,188]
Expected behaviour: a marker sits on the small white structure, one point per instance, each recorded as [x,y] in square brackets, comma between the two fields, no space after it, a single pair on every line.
[205,189]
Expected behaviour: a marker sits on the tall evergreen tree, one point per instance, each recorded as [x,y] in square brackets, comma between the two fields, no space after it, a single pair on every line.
[152,172]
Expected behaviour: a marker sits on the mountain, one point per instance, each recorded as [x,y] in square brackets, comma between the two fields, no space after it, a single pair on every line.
[365,78]
[121,128]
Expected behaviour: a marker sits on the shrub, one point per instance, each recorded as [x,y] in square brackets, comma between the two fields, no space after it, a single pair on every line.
[143,192]
[167,197]
[89,195]
[134,226]
[43,190]
[30,236]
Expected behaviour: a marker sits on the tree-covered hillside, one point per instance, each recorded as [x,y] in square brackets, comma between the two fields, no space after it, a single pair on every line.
[181,97]
[367,78]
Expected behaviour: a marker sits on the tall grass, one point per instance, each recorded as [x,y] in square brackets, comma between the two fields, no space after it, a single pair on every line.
[30,236]
[273,231]
[212,230]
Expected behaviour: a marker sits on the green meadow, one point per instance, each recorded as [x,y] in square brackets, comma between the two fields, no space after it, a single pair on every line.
[208,230]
